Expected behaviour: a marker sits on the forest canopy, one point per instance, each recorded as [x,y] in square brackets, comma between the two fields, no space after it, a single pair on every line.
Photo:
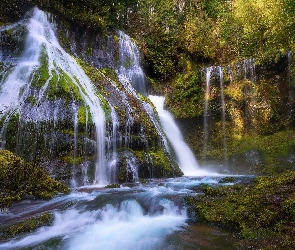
[219,31]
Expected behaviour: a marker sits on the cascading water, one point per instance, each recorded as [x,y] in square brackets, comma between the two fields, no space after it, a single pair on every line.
[75,118]
[135,216]
[222,110]
[133,80]
[113,159]
[185,156]
[129,66]
[42,43]
[206,111]
[252,70]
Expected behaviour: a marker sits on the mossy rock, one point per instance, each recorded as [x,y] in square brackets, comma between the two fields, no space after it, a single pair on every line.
[228,179]
[19,178]
[115,185]
[25,226]
[262,211]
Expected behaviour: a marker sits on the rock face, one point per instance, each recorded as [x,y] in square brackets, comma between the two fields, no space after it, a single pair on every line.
[247,118]
[76,110]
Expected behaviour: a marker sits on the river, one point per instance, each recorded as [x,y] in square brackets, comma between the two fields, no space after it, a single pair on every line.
[152,215]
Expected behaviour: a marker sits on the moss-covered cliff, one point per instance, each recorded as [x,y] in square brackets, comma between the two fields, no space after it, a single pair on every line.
[54,122]
[178,39]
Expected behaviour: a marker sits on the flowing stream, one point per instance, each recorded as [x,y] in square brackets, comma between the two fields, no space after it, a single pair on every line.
[151,215]
[134,216]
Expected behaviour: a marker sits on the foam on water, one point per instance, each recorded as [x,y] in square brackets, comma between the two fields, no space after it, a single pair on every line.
[125,226]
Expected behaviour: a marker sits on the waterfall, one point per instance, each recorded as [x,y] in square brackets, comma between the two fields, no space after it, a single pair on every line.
[206,110]
[129,66]
[133,80]
[252,69]
[75,119]
[10,95]
[81,132]
[184,155]
[41,40]
[230,73]
[222,109]
[113,143]
[249,69]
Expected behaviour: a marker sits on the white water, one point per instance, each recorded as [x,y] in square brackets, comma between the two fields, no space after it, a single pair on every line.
[141,217]
[129,66]
[123,227]
[185,157]
[206,111]
[133,81]
[249,67]
[42,37]
[222,110]
[10,97]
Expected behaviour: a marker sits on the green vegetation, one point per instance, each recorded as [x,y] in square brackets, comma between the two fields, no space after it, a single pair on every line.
[262,212]
[227,180]
[161,164]
[217,30]
[115,185]
[42,74]
[18,178]
[185,96]
[62,86]
[11,131]
[25,226]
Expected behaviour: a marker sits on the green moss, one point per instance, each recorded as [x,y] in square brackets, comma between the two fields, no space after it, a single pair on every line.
[82,115]
[185,97]
[274,148]
[42,74]
[116,185]
[32,99]
[18,178]
[63,90]
[160,160]
[74,88]
[71,160]
[227,180]
[11,131]
[26,226]
[53,86]
[260,211]
[142,181]
[106,108]
[62,86]
[163,165]
[122,170]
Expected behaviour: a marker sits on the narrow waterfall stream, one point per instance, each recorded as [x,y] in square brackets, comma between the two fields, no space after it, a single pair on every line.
[185,157]
[223,108]
[206,112]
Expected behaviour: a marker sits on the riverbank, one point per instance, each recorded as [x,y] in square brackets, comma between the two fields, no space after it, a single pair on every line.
[262,212]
